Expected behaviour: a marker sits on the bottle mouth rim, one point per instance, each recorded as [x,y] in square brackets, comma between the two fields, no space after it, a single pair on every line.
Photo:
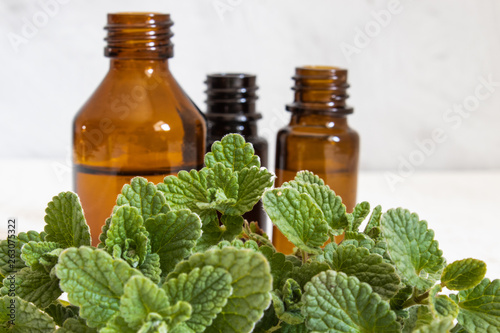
[231,75]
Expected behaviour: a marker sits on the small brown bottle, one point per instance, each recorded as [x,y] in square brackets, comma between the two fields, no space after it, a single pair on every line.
[139,121]
[231,108]
[318,137]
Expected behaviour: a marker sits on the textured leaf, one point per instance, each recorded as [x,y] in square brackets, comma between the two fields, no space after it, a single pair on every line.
[335,302]
[304,273]
[297,217]
[73,325]
[94,281]
[65,222]
[308,177]
[374,221]
[251,282]
[36,287]
[480,307]
[117,325]
[144,196]
[27,318]
[360,212]
[206,289]
[186,190]
[213,233]
[40,255]
[401,297]
[127,238]
[440,326]
[412,247]
[233,152]
[419,316]
[173,236]
[367,267]
[151,267]
[280,266]
[463,274]
[60,313]
[330,204]
[140,298]
[8,264]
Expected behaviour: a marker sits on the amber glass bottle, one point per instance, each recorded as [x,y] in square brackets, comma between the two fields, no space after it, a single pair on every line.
[231,108]
[139,121]
[318,137]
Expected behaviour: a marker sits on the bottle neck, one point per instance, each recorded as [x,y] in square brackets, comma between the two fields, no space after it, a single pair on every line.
[321,89]
[149,66]
[319,120]
[218,128]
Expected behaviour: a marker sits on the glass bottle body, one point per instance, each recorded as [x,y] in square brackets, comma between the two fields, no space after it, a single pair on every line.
[318,137]
[138,122]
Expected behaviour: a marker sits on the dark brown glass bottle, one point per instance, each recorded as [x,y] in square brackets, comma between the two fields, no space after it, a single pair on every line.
[231,108]
[318,137]
[139,121]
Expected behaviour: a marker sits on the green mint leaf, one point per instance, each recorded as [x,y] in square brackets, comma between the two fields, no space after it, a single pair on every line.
[140,298]
[144,196]
[74,325]
[224,179]
[117,325]
[359,214]
[65,222]
[238,243]
[419,316]
[233,152]
[127,238]
[40,255]
[331,205]
[206,289]
[401,297]
[252,183]
[372,228]
[458,329]
[308,177]
[251,283]
[280,266]
[287,328]
[443,325]
[213,233]
[367,267]
[412,247]
[186,190]
[7,263]
[173,236]
[36,287]
[27,317]
[479,307]
[443,306]
[289,317]
[151,267]
[94,281]
[104,231]
[297,217]
[337,302]
[463,274]
[60,313]
[304,273]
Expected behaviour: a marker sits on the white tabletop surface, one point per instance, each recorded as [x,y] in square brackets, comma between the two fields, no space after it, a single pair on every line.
[460,206]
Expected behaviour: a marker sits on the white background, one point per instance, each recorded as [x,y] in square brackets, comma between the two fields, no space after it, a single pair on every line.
[412,63]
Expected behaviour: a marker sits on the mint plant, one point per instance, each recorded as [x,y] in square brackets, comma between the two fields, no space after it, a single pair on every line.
[178,257]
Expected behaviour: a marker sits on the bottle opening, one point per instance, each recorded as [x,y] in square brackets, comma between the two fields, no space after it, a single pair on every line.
[139,36]
[230,94]
[320,88]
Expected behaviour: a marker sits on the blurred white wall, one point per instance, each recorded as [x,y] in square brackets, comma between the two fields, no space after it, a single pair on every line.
[425,75]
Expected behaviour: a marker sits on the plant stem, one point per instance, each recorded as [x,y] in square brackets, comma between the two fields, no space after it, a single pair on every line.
[416,299]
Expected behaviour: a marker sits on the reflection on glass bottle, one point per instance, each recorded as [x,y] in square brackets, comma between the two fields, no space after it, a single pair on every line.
[231,108]
[318,137]
[138,122]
